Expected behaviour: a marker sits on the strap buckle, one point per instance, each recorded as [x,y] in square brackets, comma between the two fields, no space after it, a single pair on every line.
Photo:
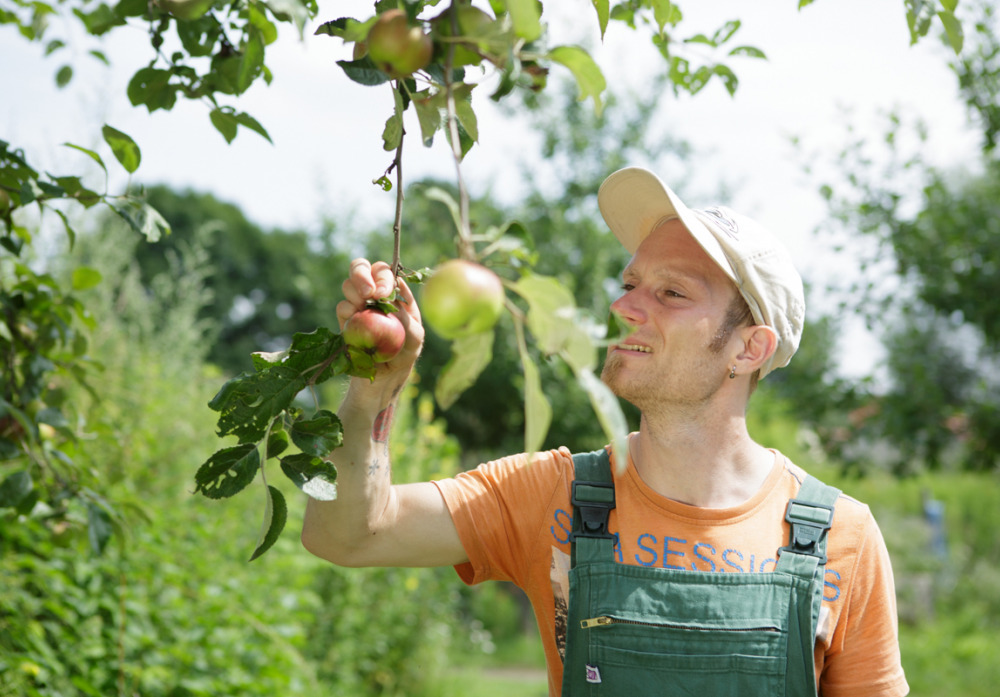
[810,522]
[593,501]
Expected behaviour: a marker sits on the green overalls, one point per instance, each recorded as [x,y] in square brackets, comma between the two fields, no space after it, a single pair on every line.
[637,631]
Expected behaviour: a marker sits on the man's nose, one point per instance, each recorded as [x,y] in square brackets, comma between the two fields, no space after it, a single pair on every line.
[628,306]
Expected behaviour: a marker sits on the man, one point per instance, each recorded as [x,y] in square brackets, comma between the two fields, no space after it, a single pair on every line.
[696,575]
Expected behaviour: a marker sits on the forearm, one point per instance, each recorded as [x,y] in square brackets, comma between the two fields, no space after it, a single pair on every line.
[341,530]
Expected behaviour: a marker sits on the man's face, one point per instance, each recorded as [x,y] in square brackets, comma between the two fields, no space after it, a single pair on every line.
[675,298]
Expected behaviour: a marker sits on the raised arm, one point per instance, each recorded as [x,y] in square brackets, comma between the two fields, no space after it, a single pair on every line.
[373,522]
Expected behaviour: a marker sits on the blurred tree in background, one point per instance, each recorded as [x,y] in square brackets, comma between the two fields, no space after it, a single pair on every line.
[928,280]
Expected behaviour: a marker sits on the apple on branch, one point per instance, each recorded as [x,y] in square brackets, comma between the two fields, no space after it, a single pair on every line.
[397,48]
[374,333]
[461,298]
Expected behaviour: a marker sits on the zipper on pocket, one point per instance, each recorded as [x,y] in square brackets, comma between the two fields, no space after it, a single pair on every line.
[606,620]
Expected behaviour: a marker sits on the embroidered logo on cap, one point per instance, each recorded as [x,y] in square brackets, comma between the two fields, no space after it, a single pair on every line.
[593,674]
[724,221]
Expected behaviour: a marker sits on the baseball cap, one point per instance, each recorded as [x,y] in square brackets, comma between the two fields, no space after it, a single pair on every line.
[634,202]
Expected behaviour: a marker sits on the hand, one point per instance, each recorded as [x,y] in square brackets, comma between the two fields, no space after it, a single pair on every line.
[368,281]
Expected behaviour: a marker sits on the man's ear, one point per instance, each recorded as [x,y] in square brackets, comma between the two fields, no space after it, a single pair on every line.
[759,343]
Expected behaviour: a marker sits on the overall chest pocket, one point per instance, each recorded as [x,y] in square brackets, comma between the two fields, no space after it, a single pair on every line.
[664,632]
[656,657]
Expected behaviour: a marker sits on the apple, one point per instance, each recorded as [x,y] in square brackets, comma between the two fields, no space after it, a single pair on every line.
[473,23]
[462,298]
[396,47]
[376,333]
[186,10]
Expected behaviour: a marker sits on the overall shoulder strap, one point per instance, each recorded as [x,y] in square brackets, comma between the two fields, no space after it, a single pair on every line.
[810,514]
[592,497]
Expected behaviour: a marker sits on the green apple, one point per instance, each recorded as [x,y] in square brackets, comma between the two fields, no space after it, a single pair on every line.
[461,298]
[473,24]
[186,10]
[396,47]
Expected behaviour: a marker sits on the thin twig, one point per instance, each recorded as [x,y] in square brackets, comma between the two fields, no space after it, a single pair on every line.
[397,224]
[465,247]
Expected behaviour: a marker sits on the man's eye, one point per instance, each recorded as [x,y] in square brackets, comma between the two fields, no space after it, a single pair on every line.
[626,287]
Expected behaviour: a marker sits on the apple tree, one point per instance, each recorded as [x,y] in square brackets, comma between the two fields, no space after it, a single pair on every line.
[438,59]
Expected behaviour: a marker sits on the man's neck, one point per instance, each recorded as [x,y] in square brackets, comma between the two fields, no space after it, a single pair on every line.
[714,465]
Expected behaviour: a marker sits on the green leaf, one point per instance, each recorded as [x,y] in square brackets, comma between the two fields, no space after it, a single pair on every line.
[392,134]
[89,153]
[85,278]
[313,475]
[225,122]
[728,78]
[363,72]
[469,357]
[554,320]
[275,517]
[526,18]
[123,147]
[295,10]
[15,488]
[429,117]
[70,232]
[603,8]
[277,443]
[228,471]
[99,527]
[142,218]
[244,119]
[436,193]
[588,76]
[749,51]
[346,28]
[665,12]
[919,14]
[251,61]
[953,29]
[466,116]
[725,32]
[609,414]
[64,75]
[248,402]
[537,410]
[319,435]
[151,87]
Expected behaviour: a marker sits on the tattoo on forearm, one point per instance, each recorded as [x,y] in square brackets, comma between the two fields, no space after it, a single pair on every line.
[383,424]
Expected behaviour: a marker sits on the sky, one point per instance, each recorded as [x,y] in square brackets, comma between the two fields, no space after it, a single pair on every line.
[831,56]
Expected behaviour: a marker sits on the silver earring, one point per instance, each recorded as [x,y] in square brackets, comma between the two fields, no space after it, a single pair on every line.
[732,373]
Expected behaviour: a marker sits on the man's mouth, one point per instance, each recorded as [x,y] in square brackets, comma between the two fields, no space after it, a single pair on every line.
[634,347]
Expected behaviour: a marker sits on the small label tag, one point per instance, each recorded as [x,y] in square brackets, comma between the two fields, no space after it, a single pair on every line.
[593,674]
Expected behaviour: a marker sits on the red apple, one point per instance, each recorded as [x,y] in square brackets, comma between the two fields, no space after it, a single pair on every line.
[396,47]
[378,334]
[462,298]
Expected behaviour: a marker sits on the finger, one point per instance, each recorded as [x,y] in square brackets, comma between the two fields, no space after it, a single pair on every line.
[407,301]
[360,279]
[345,308]
[352,294]
[385,279]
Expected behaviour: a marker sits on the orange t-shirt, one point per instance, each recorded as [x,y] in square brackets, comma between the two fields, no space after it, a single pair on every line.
[514,519]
